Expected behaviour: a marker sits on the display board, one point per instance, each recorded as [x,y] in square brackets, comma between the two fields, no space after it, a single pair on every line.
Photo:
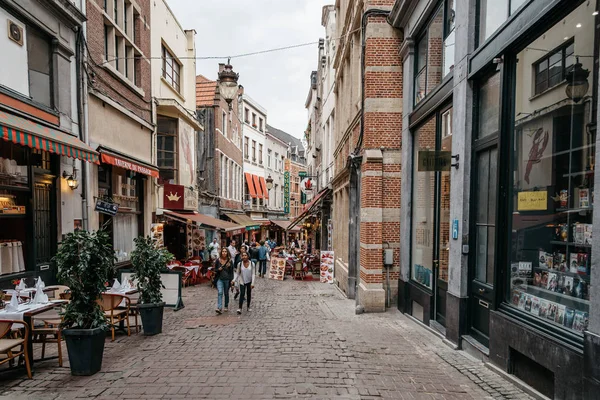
[171,290]
[277,268]
[327,266]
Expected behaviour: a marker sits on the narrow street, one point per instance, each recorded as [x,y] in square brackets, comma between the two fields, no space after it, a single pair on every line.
[302,340]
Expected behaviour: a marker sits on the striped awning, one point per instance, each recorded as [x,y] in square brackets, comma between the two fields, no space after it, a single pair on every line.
[22,131]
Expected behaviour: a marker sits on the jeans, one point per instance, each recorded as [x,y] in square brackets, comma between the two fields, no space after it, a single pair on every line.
[223,289]
[263,267]
[243,289]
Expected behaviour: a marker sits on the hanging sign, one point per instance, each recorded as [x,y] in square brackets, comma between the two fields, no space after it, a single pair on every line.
[533,201]
[286,192]
[306,185]
[434,160]
[106,207]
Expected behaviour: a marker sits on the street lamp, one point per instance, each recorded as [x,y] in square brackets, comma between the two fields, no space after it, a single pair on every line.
[228,86]
[578,84]
[71,179]
[269,183]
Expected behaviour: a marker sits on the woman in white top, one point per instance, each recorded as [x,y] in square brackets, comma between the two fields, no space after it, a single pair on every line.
[245,280]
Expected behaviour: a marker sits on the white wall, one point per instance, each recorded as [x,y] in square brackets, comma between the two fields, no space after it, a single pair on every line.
[14,67]
[275,171]
[250,166]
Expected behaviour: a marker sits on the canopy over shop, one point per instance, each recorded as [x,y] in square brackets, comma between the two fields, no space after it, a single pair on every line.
[281,233]
[251,227]
[312,213]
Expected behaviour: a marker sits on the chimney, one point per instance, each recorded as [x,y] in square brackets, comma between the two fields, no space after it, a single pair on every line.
[221,67]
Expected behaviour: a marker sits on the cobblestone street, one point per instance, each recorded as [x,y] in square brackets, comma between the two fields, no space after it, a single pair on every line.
[302,340]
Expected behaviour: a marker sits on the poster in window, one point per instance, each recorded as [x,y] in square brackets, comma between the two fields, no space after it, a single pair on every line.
[536,151]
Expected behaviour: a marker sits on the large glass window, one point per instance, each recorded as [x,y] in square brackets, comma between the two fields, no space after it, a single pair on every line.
[435,51]
[166,145]
[553,177]
[170,68]
[493,13]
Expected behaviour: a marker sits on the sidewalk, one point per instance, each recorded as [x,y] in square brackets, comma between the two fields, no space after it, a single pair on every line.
[302,340]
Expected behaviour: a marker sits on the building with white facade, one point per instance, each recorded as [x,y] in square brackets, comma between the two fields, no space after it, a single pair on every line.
[326,85]
[276,149]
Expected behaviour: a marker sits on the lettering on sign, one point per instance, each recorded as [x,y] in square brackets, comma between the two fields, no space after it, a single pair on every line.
[533,201]
[286,192]
[434,160]
[106,207]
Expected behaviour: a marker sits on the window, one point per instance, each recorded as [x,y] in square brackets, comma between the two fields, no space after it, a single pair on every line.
[170,69]
[254,120]
[224,124]
[166,146]
[40,67]
[117,61]
[489,107]
[126,18]
[493,13]
[552,69]
[116,12]
[254,150]
[107,32]
[246,153]
[269,151]
[246,115]
[552,182]
[260,124]
[260,153]
[435,51]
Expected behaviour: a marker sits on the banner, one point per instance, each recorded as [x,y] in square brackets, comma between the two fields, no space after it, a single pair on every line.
[286,192]
[277,268]
[327,266]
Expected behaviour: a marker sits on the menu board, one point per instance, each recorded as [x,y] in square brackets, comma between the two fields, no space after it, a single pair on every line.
[327,266]
[157,233]
[277,268]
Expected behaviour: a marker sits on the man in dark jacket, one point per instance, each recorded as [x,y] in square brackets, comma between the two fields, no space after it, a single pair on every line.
[262,259]
[253,253]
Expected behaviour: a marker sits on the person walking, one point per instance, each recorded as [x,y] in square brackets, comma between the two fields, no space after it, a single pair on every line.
[253,253]
[245,280]
[235,259]
[224,271]
[262,259]
[213,248]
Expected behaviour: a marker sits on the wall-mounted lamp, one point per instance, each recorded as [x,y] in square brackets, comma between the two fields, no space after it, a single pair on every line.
[72,181]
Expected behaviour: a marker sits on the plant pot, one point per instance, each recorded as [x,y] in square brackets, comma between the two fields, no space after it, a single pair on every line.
[85,348]
[152,317]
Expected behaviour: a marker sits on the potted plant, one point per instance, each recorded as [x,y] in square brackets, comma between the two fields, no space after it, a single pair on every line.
[148,261]
[83,261]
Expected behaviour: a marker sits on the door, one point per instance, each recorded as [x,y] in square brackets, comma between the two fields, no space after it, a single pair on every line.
[483,268]
[44,226]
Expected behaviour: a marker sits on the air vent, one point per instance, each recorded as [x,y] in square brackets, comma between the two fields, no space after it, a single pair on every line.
[15,32]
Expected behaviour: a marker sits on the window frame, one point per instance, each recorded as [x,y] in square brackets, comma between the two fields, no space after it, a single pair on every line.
[246,147]
[562,50]
[30,30]
[260,153]
[175,152]
[175,68]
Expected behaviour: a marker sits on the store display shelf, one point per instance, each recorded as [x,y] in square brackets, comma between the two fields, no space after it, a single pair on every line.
[559,298]
[571,244]
[16,188]
[566,273]
[574,210]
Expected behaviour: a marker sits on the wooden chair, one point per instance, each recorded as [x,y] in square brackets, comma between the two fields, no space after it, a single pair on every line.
[113,313]
[298,270]
[8,343]
[58,290]
[49,333]
[185,275]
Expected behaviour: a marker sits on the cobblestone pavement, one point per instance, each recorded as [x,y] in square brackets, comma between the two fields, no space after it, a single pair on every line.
[301,340]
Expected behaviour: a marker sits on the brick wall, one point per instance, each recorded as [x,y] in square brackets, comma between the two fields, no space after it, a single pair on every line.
[102,79]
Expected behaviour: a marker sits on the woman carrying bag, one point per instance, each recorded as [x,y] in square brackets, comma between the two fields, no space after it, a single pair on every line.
[245,280]
[224,275]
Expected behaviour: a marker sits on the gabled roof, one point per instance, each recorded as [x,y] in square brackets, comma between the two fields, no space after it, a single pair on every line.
[284,136]
[205,91]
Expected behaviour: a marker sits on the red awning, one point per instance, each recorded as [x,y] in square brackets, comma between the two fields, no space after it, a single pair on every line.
[259,192]
[205,220]
[123,162]
[263,184]
[37,136]
[309,208]
[250,184]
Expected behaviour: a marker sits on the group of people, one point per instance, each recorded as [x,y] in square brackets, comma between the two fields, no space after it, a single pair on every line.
[235,270]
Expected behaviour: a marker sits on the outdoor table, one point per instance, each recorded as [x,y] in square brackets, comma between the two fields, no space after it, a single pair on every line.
[25,313]
[28,292]
[194,269]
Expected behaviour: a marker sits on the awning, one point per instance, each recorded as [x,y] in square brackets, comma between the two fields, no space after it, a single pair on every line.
[259,191]
[263,184]
[285,224]
[243,219]
[122,161]
[310,207]
[205,220]
[250,184]
[28,133]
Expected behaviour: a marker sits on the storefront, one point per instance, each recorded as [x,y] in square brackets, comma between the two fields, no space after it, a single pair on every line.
[30,194]
[312,218]
[251,227]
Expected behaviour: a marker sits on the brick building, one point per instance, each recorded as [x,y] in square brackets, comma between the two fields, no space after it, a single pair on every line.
[121,122]
[367,152]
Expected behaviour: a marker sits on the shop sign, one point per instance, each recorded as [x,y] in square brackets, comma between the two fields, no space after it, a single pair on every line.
[178,197]
[434,161]
[106,207]
[286,192]
[533,201]
[118,162]
[236,232]
[253,227]
[306,185]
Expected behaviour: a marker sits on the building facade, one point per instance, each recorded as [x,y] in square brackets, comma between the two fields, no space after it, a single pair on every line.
[276,153]
[366,185]
[500,111]
[42,134]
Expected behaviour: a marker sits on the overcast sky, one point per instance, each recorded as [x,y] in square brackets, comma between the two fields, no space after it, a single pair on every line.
[278,81]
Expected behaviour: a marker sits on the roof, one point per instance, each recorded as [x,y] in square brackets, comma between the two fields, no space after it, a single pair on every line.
[283,136]
[205,91]
[205,220]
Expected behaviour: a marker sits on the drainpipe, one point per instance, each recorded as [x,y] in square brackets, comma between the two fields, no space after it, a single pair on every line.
[82,116]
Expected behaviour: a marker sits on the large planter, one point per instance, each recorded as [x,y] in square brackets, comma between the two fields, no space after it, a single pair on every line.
[85,348]
[152,317]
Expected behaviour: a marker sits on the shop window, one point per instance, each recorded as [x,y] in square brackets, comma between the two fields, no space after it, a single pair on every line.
[171,69]
[435,51]
[552,69]
[40,67]
[553,181]
[489,107]
[125,227]
[166,146]
[493,13]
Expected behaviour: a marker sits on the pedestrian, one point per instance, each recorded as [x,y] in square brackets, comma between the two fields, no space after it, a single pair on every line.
[224,271]
[235,259]
[213,248]
[253,253]
[262,259]
[245,279]
[233,252]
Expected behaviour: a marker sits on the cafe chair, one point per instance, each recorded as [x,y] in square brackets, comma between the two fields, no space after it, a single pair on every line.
[12,347]
[57,291]
[50,332]
[113,313]
[298,270]
[186,275]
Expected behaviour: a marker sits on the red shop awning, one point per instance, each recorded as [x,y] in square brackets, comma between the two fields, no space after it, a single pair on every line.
[263,184]
[127,163]
[250,184]
[259,192]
